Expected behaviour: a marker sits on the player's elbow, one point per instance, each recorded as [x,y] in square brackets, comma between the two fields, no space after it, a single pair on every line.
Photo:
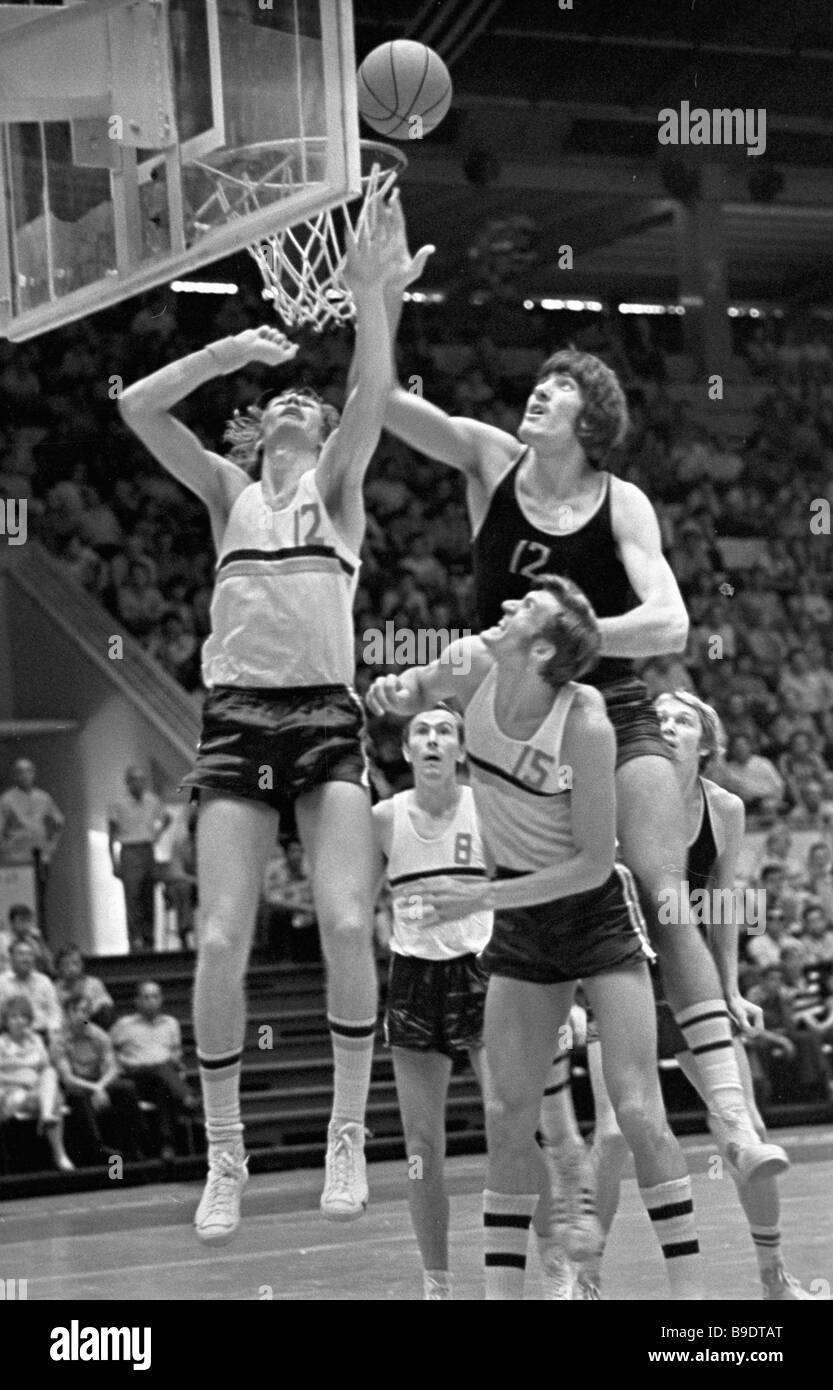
[676,626]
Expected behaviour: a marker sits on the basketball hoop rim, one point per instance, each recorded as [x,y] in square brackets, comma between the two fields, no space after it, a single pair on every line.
[396,159]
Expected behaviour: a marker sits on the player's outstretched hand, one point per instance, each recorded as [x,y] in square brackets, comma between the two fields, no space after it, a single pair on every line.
[262,344]
[388,695]
[406,268]
[448,899]
[376,248]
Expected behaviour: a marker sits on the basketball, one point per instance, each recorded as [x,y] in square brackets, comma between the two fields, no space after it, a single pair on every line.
[402,81]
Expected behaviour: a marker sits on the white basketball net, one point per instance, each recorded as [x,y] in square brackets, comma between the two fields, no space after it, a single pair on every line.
[301,265]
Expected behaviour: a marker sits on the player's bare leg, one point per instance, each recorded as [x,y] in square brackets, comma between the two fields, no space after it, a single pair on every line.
[623,1003]
[520,1028]
[336,831]
[609,1151]
[422,1087]
[234,840]
[652,842]
[758,1195]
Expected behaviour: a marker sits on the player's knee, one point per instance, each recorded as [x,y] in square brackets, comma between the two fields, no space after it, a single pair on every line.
[347,929]
[220,946]
[639,1118]
[512,1116]
[427,1147]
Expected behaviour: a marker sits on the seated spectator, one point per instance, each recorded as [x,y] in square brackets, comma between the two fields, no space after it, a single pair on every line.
[104,1103]
[28,1082]
[754,779]
[766,949]
[738,718]
[175,649]
[799,765]
[817,938]
[139,603]
[808,813]
[72,981]
[817,879]
[24,979]
[783,1037]
[809,994]
[24,927]
[777,850]
[148,1047]
[811,692]
[780,893]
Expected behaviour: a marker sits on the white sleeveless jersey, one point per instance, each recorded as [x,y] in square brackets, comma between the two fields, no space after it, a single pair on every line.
[521,790]
[414,861]
[282,610]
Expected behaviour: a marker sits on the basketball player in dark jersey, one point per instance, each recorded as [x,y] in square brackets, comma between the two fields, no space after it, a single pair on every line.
[715,822]
[282,727]
[543,503]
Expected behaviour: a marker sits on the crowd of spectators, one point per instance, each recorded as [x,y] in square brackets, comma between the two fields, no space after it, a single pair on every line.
[737,521]
[78,1071]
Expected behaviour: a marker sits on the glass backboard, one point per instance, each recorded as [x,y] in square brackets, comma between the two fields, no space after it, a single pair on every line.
[114,115]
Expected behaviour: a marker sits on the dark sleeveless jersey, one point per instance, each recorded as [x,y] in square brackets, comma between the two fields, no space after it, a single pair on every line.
[702,852]
[509,552]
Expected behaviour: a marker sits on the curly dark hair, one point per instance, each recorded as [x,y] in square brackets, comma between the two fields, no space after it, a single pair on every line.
[603,422]
[244,433]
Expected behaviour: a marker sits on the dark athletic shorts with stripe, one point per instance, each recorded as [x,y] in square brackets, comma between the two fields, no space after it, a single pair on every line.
[635,720]
[274,745]
[571,938]
[435,1005]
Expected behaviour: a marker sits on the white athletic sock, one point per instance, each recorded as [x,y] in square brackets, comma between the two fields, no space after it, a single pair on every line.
[671,1210]
[352,1041]
[506,1219]
[767,1242]
[707,1030]
[220,1082]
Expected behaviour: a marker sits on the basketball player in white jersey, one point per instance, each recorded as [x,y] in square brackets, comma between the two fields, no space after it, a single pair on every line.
[715,822]
[281,724]
[542,752]
[437,987]
[546,502]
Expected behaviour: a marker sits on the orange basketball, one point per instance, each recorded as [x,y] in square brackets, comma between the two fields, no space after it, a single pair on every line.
[404,89]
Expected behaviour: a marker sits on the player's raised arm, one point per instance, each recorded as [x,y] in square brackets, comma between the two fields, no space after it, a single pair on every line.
[344,460]
[469,445]
[453,676]
[659,624]
[146,406]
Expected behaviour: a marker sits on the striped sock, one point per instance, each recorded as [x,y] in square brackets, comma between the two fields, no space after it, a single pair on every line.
[352,1041]
[707,1031]
[506,1218]
[767,1242]
[220,1082]
[671,1210]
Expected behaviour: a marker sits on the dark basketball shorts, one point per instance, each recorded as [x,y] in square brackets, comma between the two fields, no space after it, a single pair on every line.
[571,938]
[435,1005]
[273,745]
[635,720]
